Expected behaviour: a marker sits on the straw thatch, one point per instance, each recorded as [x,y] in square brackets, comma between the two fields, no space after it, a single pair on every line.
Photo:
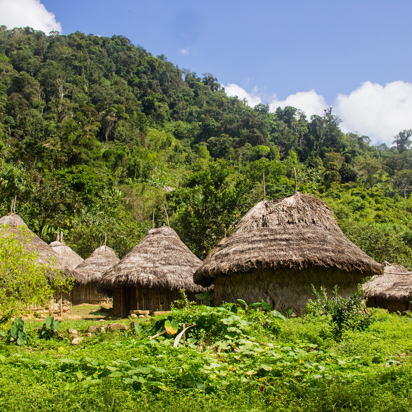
[45,252]
[160,260]
[68,256]
[298,232]
[392,290]
[285,246]
[99,262]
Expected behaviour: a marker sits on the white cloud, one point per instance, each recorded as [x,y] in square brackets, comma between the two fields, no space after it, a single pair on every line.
[23,13]
[377,111]
[184,51]
[309,102]
[234,90]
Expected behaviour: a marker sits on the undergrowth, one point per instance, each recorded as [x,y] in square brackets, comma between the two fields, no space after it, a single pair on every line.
[232,358]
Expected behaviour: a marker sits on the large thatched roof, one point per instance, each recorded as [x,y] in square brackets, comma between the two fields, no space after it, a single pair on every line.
[297,232]
[67,255]
[99,262]
[394,284]
[161,259]
[46,254]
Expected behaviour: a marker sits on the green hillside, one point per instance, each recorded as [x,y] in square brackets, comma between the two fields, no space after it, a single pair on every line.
[95,133]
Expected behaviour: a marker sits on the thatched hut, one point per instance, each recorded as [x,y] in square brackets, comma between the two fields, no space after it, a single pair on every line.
[92,269]
[46,253]
[391,291]
[150,276]
[279,249]
[67,255]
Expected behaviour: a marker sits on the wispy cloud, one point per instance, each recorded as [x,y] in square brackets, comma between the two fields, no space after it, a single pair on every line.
[377,111]
[184,51]
[22,13]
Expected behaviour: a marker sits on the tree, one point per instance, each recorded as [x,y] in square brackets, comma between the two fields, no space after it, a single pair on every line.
[402,141]
[23,281]
[403,181]
[212,201]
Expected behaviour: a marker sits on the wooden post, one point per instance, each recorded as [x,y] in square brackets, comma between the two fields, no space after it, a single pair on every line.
[61,236]
[264,187]
[11,207]
[167,217]
[15,199]
[153,219]
[57,236]
[61,304]
[225,232]
[296,181]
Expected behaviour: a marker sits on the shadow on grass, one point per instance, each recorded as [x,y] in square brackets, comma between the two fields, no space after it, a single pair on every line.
[102,312]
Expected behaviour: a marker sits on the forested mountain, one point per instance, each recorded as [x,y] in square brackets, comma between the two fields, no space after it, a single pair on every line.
[95,133]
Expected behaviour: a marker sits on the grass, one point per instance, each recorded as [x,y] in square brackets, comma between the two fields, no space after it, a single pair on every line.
[92,311]
[251,362]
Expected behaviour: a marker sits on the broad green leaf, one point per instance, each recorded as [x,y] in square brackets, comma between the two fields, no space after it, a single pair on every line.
[171,327]
[278,315]
[242,302]
[266,305]
[115,375]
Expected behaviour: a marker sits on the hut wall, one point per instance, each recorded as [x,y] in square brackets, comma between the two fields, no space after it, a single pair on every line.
[392,305]
[88,294]
[118,299]
[126,299]
[284,288]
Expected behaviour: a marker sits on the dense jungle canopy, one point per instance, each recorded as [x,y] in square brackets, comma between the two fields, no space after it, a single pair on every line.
[95,133]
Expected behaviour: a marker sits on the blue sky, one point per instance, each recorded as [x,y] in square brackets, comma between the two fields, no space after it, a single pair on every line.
[352,55]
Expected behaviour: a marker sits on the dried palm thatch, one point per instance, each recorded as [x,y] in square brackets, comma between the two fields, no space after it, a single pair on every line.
[68,256]
[299,232]
[392,290]
[45,252]
[160,260]
[101,260]
[279,249]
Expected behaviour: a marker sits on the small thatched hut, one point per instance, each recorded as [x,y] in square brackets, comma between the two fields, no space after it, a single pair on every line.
[150,276]
[46,253]
[279,249]
[67,255]
[391,291]
[92,269]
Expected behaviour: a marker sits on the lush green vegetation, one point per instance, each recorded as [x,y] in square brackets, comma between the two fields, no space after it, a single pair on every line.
[234,358]
[95,131]
[23,281]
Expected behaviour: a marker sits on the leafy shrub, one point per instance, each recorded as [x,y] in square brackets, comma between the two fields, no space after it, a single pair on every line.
[49,328]
[343,313]
[18,332]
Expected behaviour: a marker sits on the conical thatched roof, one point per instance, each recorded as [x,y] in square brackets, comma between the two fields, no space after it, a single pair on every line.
[45,252]
[101,260]
[394,284]
[161,259]
[67,255]
[297,232]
